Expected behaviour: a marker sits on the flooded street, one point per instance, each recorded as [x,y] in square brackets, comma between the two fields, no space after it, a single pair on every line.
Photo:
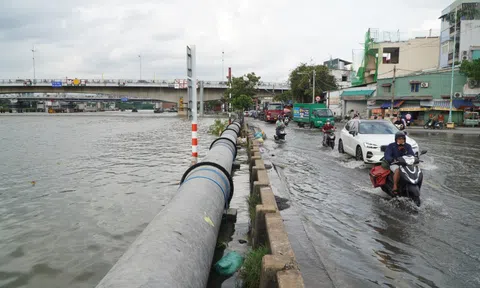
[366,240]
[76,190]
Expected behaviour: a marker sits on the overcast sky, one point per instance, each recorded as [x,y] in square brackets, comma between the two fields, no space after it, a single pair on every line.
[269,37]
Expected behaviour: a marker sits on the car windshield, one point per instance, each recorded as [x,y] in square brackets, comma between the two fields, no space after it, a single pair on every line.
[275,107]
[377,128]
[323,113]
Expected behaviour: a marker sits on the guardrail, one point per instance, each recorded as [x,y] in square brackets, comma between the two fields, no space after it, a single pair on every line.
[177,84]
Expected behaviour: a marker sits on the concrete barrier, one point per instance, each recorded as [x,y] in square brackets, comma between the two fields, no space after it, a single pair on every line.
[279,267]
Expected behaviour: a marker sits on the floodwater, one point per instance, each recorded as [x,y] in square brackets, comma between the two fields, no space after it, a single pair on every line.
[366,240]
[77,189]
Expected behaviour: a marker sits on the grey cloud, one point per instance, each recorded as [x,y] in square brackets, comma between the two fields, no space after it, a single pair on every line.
[270,37]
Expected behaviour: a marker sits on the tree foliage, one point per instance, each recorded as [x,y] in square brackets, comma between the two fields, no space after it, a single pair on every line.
[242,102]
[284,97]
[243,90]
[471,69]
[301,80]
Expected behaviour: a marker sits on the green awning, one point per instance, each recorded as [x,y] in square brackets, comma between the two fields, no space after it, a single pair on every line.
[358,93]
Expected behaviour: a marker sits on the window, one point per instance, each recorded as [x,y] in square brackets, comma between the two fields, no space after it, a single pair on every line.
[344,78]
[387,89]
[391,55]
[380,127]
[323,113]
[414,87]
[275,107]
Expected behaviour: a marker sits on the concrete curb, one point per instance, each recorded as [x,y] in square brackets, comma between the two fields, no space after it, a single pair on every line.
[279,267]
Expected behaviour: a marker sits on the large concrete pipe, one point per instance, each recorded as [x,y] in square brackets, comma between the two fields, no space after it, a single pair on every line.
[176,249]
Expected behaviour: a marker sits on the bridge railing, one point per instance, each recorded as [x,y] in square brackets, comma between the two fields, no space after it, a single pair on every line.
[177,84]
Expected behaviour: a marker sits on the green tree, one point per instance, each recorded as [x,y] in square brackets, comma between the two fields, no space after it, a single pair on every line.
[242,86]
[301,79]
[242,102]
[471,69]
[284,97]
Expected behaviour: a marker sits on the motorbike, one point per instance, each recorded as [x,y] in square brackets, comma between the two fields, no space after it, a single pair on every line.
[330,139]
[430,125]
[280,134]
[400,127]
[411,177]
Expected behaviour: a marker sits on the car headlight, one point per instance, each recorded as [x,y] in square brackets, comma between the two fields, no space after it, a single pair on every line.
[370,145]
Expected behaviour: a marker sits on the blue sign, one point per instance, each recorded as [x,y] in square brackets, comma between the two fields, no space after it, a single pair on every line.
[125,99]
[56,83]
[300,112]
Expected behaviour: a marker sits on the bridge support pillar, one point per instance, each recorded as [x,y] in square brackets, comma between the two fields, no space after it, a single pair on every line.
[201,98]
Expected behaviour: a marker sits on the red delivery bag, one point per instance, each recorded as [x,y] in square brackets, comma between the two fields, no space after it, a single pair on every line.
[378,176]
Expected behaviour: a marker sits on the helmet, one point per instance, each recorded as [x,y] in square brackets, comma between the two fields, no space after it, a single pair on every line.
[400,134]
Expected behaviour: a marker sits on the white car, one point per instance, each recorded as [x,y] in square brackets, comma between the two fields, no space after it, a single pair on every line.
[363,139]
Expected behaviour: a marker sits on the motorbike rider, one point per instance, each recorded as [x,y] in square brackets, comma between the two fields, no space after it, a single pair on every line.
[396,150]
[280,124]
[400,121]
[328,126]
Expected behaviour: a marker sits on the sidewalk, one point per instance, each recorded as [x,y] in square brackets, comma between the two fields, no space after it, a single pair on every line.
[457,130]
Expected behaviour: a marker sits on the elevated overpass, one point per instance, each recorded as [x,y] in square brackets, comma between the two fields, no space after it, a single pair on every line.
[116,89]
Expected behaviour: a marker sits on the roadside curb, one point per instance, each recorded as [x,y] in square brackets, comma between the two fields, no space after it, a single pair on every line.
[279,267]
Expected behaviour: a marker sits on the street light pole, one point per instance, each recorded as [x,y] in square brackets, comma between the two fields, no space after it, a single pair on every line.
[140,56]
[453,66]
[33,53]
[314,74]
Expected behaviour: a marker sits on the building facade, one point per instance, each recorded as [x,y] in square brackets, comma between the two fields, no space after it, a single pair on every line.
[423,95]
[342,71]
[465,31]
[382,54]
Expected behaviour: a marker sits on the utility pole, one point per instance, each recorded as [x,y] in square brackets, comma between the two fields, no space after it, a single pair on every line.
[33,52]
[140,56]
[314,74]
[393,89]
[223,70]
[453,67]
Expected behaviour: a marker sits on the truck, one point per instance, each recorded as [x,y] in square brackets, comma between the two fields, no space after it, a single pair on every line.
[312,114]
[273,110]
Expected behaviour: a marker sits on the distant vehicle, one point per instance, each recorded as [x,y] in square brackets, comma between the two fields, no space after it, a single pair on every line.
[364,138]
[273,111]
[134,110]
[315,115]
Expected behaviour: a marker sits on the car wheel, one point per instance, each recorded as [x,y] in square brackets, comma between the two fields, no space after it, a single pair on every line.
[340,147]
[359,154]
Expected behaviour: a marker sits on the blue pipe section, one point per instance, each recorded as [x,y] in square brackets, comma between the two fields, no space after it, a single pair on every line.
[176,249]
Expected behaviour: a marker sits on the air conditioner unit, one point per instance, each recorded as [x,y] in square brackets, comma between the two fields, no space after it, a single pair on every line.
[465,53]
[424,84]
[458,94]
[464,57]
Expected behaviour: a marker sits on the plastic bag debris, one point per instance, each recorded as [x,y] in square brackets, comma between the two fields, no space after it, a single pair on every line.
[229,264]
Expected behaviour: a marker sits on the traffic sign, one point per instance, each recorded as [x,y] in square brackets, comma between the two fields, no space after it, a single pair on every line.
[124,99]
[317,98]
[56,84]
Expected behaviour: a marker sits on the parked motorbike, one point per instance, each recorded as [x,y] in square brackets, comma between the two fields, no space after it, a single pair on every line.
[411,178]
[280,134]
[430,125]
[329,139]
